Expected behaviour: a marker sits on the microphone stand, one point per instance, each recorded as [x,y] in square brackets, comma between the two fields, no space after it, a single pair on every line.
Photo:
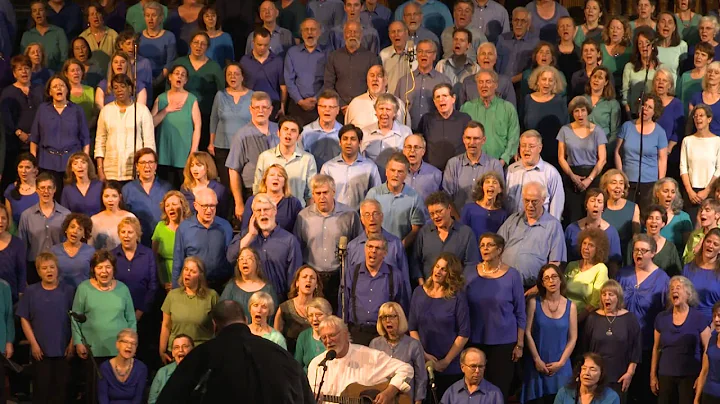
[342,254]
[135,107]
[641,109]
[322,381]
[83,341]
[410,55]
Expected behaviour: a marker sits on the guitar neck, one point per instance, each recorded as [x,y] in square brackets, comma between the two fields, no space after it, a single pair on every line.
[341,400]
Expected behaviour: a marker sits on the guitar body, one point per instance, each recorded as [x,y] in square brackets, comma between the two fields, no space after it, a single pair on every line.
[359,394]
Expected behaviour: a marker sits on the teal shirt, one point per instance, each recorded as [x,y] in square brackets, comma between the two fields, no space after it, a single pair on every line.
[615,64]
[606,114]
[175,132]
[107,313]
[54,42]
[135,17]
[276,337]
[7,325]
[204,83]
[502,128]
[688,30]
[307,348]
[161,378]
[685,87]
[676,229]
[234,293]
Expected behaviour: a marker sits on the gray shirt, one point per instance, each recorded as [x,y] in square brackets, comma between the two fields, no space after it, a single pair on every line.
[460,241]
[410,351]
[346,72]
[420,98]
[247,145]
[319,234]
[39,232]
[581,151]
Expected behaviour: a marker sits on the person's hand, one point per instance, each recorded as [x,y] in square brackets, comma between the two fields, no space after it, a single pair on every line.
[307,104]
[239,208]
[624,381]
[81,351]
[281,111]
[138,314]
[24,137]
[540,366]
[9,350]
[386,396]
[165,358]
[654,384]
[553,367]
[702,194]
[441,365]
[532,291]
[252,226]
[694,197]
[585,184]
[168,286]
[517,353]
[211,149]
[37,352]
[174,107]
[101,174]
[430,358]
[70,351]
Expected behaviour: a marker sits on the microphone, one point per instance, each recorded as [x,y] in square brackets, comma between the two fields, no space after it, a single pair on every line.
[79,317]
[430,367]
[410,50]
[342,245]
[330,355]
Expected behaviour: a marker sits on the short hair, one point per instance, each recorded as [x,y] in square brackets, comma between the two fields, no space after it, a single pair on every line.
[82,220]
[438,198]
[428,42]
[578,102]
[399,158]
[203,158]
[609,90]
[668,74]
[627,31]
[712,20]
[142,152]
[600,239]
[319,303]
[377,237]
[463,31]
[133,222]
[260,96]
[154,5]
[386,309]
[261,297]
[45,176]
[20,60]
[657,105]
[677,203]
[559,79]
[127,332]
[533,134]
[690,290]
[185,206]
[478,351]
[187,337]
[715,66]
[99,257]
[614,286]
[475,125]
[539,185]
[605,181]
[124,36]
[652,208]
[350,127]
[467,2]
[201,17]
[123,79]
[542,291]
[203,290]
[443,85]
[705,48]
[262,187]
[644,238]
[57,77]
[455,280]
[371,201]
[44,257]
[602,384]
[289,118]
[293,289]
[322,179]
[66,66]
[386,98]
[70,176]
[493,74]
[520,9]
[334,322]
[329,95]
[226,312]
[496,238]
[41,48]
[702,107]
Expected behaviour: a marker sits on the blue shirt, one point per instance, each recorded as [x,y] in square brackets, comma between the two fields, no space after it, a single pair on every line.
[546,29]
[426,180]
[280,255]
[497,307]
[19,205]
[46,310]
[264,76]
[287,211]
[544,173]
[69,18]
[304,72]
[221,49]
[515,55]
[421,97]
[652,143]
[529,247]
[675,231]
[13,266]
[73,270]
[460,241]
[567,396]
[486,393]
[209,244]
[712,383]
[228,117]
[281,40]
[321,144]
[436,15]
[352,181]
[380,19]
[395,256]
[371,292]
[697,98]
[401,211]
[58,135]
[646,300]
[146,207]
[582,151]
[492,19]
[139,274]
[672,121]
[707,285]
[160,51]
[88,204]
[39,232]
[571,239]
[681,345]
[461,175]
[482,220]
[246,147]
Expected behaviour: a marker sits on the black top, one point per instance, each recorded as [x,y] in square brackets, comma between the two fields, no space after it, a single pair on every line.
[443,136]
[569,63]
[619,349]
[245,369]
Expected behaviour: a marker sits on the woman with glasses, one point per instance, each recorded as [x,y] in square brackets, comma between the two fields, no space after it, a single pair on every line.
[551,333]
[94,69]
[308,344]
[645,288]
[249,278]
[123,377]
[392,326]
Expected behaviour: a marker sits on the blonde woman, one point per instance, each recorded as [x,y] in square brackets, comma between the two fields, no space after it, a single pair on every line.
[291,316]
[261,306]
[546,108]
[120,63]
[276,185]
[200,172]
[175,209]
[308,344]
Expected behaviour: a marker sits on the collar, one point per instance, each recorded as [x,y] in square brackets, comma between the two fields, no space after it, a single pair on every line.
[337,209]
[394,131]
[196,223]
[544,219]
[466,161]
[315,126]
[468,62]
[270,57]
[482,387]
[432,73]
[383,189]
[522,38]
[339,159]
[539,166]
[296,152]
[453,226]
[482,7]
[139,251]
[384,269]
[318,48]
[36,208]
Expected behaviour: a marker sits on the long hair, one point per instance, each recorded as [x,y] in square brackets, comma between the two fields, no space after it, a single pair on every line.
[635,58]
[677,203]
[698,257]
[318,292]
[201,158]
[609,89]
[454,281]
[478,192]
[262,187]
[602,385]
[70,176]
[184,214]
[258,265]
[111,73]
[203,290]
[542,291]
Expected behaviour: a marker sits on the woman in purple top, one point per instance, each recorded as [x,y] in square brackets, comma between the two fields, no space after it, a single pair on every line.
[12,257]
[82,192]
[497,311]
[21,194]
[123,377]
[439,319]
[681,336]
[74,254]
[672,118]
[60,129]
[275,183]
[136,265]
[486,214]
[704,273]
[200,172]
[708,384]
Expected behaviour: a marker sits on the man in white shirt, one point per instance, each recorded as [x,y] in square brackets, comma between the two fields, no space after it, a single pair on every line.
[395,58]
[355,364]
[361,110]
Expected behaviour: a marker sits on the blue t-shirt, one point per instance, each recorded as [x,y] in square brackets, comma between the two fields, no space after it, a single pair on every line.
[46,310]
[707,285]
[582,151]
[712,383]
[652,143]
[19,206]
[680,345]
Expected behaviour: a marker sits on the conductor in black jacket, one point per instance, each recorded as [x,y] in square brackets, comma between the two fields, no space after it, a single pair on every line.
[237,367]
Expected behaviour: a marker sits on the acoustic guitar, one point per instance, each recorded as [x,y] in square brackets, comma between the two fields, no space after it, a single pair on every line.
[359,394]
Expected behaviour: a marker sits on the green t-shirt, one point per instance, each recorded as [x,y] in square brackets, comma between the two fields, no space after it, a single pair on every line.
[165,238]
[190,314]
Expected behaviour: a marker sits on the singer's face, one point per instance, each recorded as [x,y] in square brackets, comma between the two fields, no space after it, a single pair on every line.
[324,197]
[375,252]
[310,31]
[119,65]
[48,271]
[414,149]
[371,217]
[315,317]
[398,34]
[334,338]
[473,367]
[462,13]
[444,101]
[707,31]
[307,281]
[412,16]
[645,9]
[486,85]
[128,45]
[461,43]
[126,346]
[274,182]
[180,348]
[487,56]
[104,272]
[590,373]
[376,80]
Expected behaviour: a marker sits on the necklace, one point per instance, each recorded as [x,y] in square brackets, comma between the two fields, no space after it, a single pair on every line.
[104,288]
[610,323]
[490,271]
[149,35]
[557,306]
[127,371]
[59,106]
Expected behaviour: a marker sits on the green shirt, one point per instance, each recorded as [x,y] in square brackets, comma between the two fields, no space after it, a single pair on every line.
[161,378]
[7,321]
[667,258]
[165,239]
[276,337]
[86,101]
[190,314]
[135,17]
[307,348]
[583,287]
[502,128]
[606,114]
[54,42]
[615,64]
[685,87]
[107,313]
[204,83]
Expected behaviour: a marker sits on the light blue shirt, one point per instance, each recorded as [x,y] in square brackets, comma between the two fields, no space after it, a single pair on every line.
[304,72]
[630,152]
[379,147]
[228,117]
[486,393]
[461,176]
[529,247]
[300,168]
[321,144]
[161,378]
[518,175]
[567,396]
[400,212]
[426,180]
[492,19]
[352,181]
[247,145]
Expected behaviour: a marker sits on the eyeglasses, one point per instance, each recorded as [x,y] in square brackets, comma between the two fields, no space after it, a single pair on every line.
[533,202]
[146,163]
[528,146]
[425,52]
[552,277]
[388,317]
[438,212]
[640,251]
[374,215]
[48,188]
[474,367]
[409,148]
[374,247]
[126,342]
[325,338]
[199,43]
[208,207]
[261,107]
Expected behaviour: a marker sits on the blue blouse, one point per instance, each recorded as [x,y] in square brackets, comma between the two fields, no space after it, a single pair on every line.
[680,344]
[19,205]
[139,274]
[160,51]
[58,135]
[73,270]
[88,204]
[573,231]
[696,99]
[646,300]
[13,266]
[707,285]
[146,207]
[630,152]
[287,212]
[673,120]
[227,117]
[221,49]
[482,220]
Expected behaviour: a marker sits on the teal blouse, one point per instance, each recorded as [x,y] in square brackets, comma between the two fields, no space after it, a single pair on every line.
[307,348]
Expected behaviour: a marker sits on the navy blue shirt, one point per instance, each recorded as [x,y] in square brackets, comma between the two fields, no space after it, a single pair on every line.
[304,72]
[208,244]
[371,292]
[395,255]
[267,76]
[13,266]
[58,135]
[46,310]
[680,344]
[18,112]
[287,211]
[223,197]
[138,274]
[146,207]
[88,204]
[69,18]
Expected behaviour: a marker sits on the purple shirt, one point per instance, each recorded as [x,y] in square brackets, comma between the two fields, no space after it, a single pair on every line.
[139,274]
[18,112]
[88,204]
[680,344]
[267,76]
[707,285]
[395,255]
[146,207]
[371,292]
[58,135]
[482,220]
[111,390]
[21,204]
[46,310]
[13,266]
[287,211]
[646,300]
[439,322]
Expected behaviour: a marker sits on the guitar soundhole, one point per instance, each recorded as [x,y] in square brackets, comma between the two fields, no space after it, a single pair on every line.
[367,396]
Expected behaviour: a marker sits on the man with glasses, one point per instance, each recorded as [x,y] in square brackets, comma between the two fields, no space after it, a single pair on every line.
[304,69]
[423,177]
[320,137]
[265,71]
[41,225]
[440,128]
[515,48]
[279,250]
[473,388]
[207,237]
[442,234]
[367,286]
[531,167]
[181,346]
[464,170]
[533,237]
[356,364]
